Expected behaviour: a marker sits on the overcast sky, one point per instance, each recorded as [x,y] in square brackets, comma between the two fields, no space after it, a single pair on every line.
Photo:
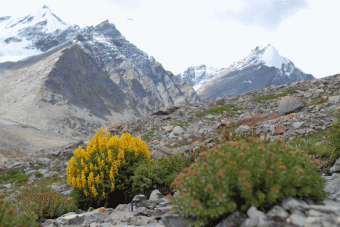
[184,33]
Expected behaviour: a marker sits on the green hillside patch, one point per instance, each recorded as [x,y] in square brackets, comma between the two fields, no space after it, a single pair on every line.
[274,96]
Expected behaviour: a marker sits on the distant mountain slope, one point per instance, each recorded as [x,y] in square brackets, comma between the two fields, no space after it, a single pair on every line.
[196,76]
[262,68]
[96,78]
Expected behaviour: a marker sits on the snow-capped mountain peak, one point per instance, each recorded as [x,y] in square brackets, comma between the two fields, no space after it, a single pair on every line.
[32,34]
[263,67]
[43,18]
[261,56]
[271,58]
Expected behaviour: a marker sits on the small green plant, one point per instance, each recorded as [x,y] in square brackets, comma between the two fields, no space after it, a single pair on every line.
[236,175]
[307,143]
[10,216]
[148,136]
[200,114]
[154,175]
[220,109]
[320,101]
[181,123]
[273,96]
[50,204]
[335,140]
[14,176]
[38,174]
[161,173]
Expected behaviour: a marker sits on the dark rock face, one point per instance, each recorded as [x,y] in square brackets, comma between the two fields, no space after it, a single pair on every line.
[45,41]
[133,69]
[2,19]
[12,39]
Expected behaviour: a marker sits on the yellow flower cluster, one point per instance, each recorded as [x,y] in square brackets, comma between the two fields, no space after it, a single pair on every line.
[104,154]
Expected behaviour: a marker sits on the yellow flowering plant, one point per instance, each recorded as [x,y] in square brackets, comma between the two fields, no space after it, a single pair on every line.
[101,174]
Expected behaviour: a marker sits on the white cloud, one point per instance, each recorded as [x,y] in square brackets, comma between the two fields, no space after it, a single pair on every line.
[126,4]
[266,14]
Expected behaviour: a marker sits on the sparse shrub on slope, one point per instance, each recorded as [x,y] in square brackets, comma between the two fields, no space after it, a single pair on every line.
[161,173]
[101,175]
[14,176]
[50,204]
[239,174]
[253,120]
[219,109]
[335,140]
[10,216]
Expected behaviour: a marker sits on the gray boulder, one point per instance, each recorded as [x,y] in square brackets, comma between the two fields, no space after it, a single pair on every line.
[178,130]
[291,105]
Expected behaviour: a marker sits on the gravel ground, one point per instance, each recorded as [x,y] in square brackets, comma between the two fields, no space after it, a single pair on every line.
[17,136]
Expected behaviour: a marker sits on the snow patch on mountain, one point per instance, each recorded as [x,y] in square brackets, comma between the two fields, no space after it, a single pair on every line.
[259,57]
[26,36]
[271,58]
[196,76]
[43,18]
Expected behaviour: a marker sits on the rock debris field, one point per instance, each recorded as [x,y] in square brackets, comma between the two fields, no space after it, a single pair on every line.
[303,108]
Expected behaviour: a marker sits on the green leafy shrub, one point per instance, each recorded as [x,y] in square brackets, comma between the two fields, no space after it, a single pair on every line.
[101,175]
[152,176]
[161,173]
[14,176]
[38,174]
[50,204]
[148,136]
[240,174]
[335,140]
[273,96]
[10,216]
[181,123]
[219,109]
[200,114]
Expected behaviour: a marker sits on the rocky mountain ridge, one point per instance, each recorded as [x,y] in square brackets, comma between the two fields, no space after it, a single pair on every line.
[94,78]
[262,68]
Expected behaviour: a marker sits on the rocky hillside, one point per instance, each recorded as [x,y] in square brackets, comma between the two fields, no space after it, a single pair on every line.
[304,108]
[183,128]
[96,78]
